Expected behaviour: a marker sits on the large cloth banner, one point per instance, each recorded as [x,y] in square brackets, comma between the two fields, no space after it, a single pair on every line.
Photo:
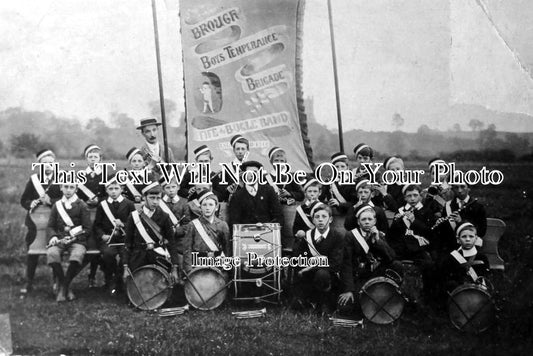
[239,67]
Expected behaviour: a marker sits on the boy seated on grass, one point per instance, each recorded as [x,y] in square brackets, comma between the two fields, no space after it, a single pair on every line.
[366,255]
[319,285]
[68,227]
[466,264]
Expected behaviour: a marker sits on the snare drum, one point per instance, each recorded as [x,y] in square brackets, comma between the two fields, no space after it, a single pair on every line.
[264,240]
[149,288]
[471,308]
[205,288]
[381,300]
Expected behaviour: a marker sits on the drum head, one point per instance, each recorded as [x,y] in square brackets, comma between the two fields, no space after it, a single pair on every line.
[205,288]
[471,308]
[381,301]
[149,288]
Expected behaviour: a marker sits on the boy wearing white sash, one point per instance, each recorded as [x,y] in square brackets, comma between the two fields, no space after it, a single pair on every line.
[320,284]
[364,194]
[92,192]
[150,236]
[289,193]
[68,227]
[207,235]
[303,220]
[108,228]
[339,197]
[133,190]
[366,255]
[466,264]
[36,194]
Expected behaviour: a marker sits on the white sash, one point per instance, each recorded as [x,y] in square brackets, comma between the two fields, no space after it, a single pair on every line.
[167,210]
[360,239]
[132,188]
[108,213]
[337,194]
[140,227]
[312,247]
[448,208]
[203,234]
[304,217]
[144,234]
[87,191]
[63,213]
[459,258]
[38,187]
[271,182]
[404,218]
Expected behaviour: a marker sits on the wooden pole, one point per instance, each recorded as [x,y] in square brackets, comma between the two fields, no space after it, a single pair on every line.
[335,77]
[160,81]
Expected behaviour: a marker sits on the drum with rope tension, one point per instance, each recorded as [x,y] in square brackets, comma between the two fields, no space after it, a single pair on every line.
[149,287]
[471,308]
[381,300]
[206,288]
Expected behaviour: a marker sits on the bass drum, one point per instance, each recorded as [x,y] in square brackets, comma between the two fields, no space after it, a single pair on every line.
[381,300]
[205,288]
[471,308]
[149,288]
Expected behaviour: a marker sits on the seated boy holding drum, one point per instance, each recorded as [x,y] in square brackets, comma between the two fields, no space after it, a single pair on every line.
[149,233]
[109,223]
[207,235]
[68,227]
[319,284]
[366,255]
[464,265]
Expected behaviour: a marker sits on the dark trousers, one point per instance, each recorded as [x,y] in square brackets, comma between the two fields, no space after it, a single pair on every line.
[319,285]
[112,268]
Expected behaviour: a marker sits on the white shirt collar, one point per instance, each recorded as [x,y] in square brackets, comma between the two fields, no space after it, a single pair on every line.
[236,162]
[252,189]
[325,234]
[465,200]
[68,202]
[418,206]
[153,147]
[148,212]
[119,199]
[174,200]
[89,170]
[469,253]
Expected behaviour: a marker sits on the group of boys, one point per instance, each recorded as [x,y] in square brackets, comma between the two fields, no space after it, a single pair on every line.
[174,221]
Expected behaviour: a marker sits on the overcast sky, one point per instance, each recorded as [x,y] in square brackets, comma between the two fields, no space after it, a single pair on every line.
[88,58]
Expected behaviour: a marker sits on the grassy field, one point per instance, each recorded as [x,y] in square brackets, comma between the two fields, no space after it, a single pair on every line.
[98,324]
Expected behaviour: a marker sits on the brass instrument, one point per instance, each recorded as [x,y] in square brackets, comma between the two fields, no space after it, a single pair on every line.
[440,221]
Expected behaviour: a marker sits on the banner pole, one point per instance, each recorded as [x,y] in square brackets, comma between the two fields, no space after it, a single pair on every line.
[160,82]
[335,77]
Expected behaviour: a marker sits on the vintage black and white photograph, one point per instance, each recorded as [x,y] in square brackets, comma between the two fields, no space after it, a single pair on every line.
[266,177]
